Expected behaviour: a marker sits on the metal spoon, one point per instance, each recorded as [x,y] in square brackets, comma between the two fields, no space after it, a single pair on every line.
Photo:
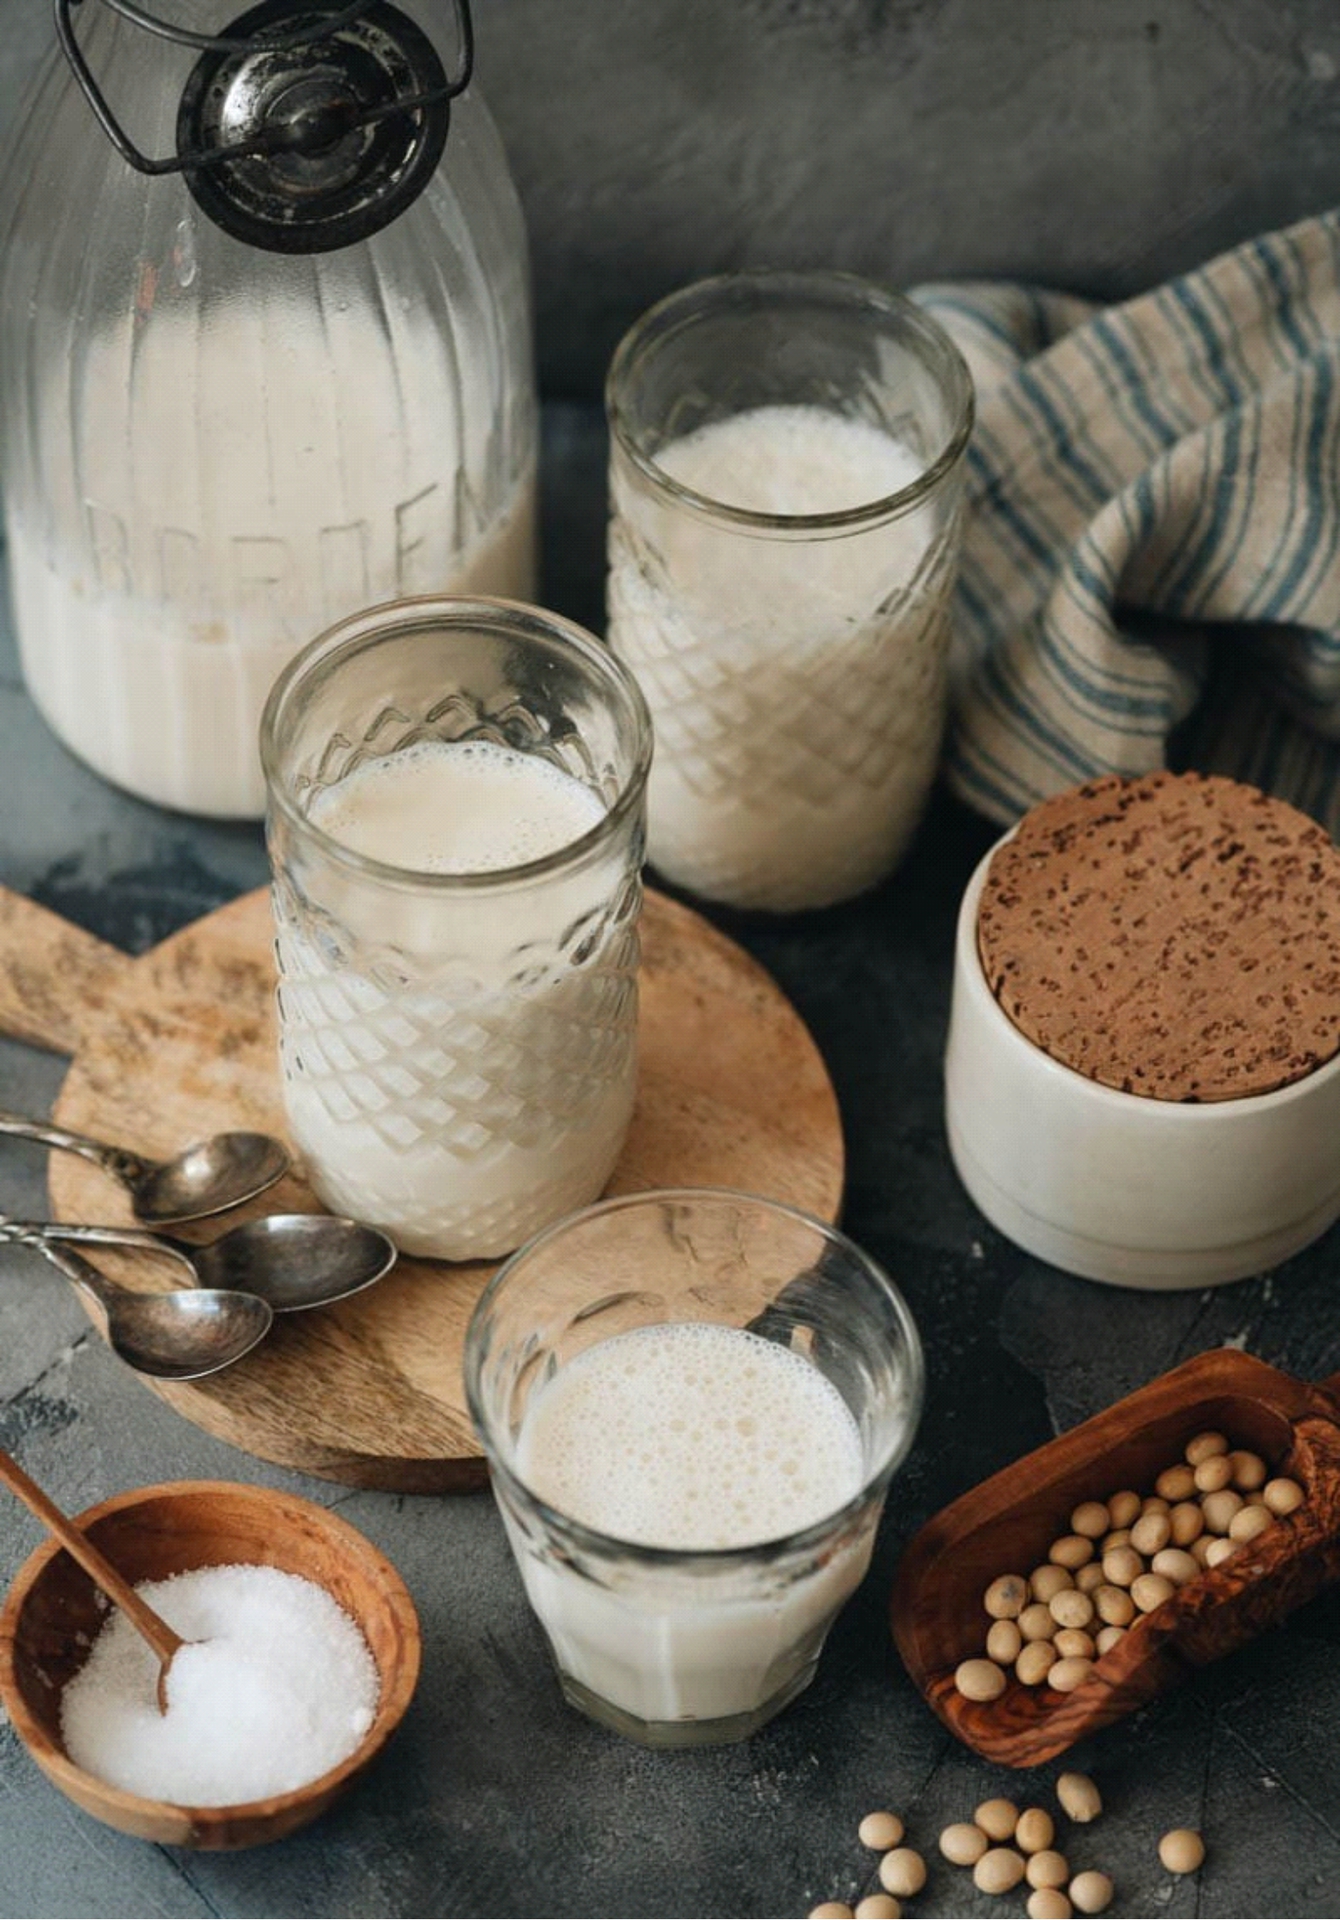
[163,1640]
[173,1336]
[289,1260]
[207,1178]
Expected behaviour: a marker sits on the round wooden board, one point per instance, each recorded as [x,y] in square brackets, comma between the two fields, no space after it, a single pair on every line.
[732,1093]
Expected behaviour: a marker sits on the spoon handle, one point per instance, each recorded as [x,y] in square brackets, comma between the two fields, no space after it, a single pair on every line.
[32,1232]
[118,1161]
[81,1273]
[145,1621]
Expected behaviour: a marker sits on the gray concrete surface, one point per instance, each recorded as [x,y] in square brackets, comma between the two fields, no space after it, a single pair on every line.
[1094,143]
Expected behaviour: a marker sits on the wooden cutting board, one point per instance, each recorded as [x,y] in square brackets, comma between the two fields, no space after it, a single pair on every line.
[180,1042]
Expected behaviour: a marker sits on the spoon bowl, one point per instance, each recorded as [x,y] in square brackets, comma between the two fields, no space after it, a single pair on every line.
[172,1336]
[53,1612]
[289,1260]
[204,1179]
[1007,1524]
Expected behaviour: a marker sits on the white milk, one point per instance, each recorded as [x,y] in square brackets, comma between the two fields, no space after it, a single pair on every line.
[797,684]
[278,477]
[690,1436]
[459,1066]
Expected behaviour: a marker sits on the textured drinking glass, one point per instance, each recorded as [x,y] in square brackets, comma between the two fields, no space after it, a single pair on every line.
[458,1049]
[795,663]
[668,1646]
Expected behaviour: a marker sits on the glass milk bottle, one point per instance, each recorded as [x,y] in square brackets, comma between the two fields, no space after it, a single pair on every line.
[244,396]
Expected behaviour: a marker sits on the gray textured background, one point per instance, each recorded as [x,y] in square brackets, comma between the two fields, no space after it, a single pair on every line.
[1097,144]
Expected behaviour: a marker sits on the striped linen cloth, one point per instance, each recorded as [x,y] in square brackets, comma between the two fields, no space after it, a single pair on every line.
[1151,573]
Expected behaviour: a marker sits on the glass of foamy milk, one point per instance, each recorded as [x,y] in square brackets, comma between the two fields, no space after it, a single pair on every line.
[692,1402]
[455,824]
[785,474]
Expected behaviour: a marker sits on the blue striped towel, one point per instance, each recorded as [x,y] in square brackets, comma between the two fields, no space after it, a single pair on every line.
[1150,572]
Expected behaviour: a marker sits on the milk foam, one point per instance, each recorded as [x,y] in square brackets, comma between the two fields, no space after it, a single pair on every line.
[457,806]
[791,460]
[692,1436]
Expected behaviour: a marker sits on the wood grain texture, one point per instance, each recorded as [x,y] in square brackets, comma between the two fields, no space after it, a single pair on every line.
[53,1613]
[55,978]
[1006,1525]
[732,1092]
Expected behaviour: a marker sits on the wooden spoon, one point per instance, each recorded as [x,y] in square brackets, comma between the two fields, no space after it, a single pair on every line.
[160,1636]
[1007,1524]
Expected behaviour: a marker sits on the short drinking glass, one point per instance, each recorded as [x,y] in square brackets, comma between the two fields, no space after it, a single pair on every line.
[786,454]
[455,823]
[692,1402]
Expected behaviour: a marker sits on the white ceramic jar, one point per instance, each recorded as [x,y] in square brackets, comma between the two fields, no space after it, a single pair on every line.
[1118,1187]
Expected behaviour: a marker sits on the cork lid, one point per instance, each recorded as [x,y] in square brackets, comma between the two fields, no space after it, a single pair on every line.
[1176,935]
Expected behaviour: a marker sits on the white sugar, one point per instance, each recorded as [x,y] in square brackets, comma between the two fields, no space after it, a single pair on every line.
[278,1687]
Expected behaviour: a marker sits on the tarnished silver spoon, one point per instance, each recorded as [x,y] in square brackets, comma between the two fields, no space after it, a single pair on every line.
[205,1179]
[173,1336]
[289,1260]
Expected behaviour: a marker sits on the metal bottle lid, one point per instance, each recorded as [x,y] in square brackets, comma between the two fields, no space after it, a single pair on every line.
[306,127]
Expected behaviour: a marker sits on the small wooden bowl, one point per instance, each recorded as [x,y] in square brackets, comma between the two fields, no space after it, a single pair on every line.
[1007,1524]
[53,1613]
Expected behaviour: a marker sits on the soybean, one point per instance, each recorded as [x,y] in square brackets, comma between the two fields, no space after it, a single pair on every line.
[1003,1642]
[1035,1662]
[1175,1565]
[1046,1581]
[1151,1590]
[1091,1519]
[979,1680]
[1176,1483]
[1248,1522]
[880,1831]
[1182,1850]
[1249,1470]
[1214,1473]
[997,1819]
[1071,1608]
[1091,1892]
[1079,1797]
[902,1872]
[1047,1869]
[1006,1598]
[1036,1622]
[1035,1831]
[1072,1643]
[963,1844]
[1124,1507]
[998,1870]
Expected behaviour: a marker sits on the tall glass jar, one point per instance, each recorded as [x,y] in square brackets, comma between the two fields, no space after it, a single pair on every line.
[211,450]
[458,1042]
[785,479]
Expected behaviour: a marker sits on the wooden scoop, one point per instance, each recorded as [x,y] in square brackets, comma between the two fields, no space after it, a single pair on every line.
[1007,1524]
[163,1641]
